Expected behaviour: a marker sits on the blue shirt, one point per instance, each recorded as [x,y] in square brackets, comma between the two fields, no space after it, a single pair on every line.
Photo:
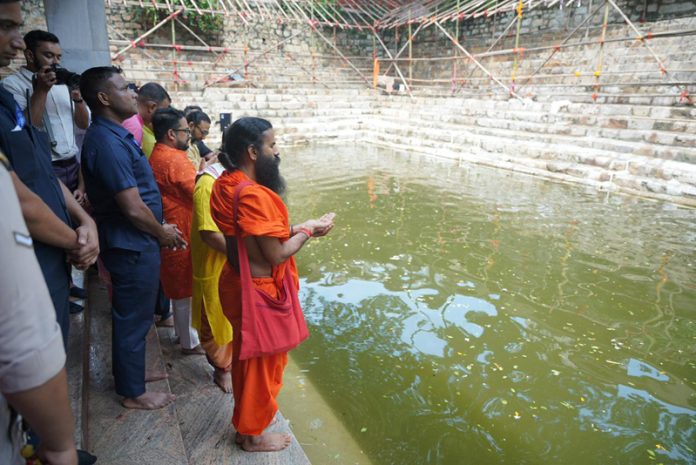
[30,157]
[112,162]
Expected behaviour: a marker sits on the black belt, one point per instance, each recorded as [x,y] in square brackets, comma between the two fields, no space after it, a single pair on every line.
[66,162]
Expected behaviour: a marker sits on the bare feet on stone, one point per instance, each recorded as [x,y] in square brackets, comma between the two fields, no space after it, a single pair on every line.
[151,376]
[198,350]
[149,401]
[267,442]
[223,379]
[239,438]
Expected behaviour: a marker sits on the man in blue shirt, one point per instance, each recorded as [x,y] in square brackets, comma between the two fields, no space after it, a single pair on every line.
[49,209]
[128,209]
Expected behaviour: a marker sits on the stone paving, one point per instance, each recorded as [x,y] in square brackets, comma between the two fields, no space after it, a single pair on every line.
[194,430]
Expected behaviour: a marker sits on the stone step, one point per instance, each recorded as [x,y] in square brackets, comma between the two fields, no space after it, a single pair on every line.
[566,135]
[204,414]
[553,150]
[76,363]
[195,429]
[119,436]
[597,177]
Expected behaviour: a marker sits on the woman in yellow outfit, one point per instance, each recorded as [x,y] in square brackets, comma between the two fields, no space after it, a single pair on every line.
[208,258]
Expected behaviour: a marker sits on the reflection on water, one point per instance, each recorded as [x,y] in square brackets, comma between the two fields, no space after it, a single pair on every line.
[466,315]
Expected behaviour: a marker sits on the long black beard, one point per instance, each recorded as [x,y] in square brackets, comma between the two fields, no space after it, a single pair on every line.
[268,174]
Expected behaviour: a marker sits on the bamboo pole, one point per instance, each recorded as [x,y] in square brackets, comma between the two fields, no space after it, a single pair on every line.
[141,37]
[563,42]
[182,24]
[471,57]
[315,29]
[456,52]
[386,50]
[410,53]
[251,60]
[520,8]
[640,36]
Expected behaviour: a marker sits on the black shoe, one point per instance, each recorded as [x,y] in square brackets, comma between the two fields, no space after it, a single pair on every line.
[75,308]
[78,292]
[85,458]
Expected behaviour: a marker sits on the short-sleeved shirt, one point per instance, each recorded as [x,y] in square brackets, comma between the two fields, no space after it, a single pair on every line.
[58,114]
[30,157]
[112,162]
[135,124]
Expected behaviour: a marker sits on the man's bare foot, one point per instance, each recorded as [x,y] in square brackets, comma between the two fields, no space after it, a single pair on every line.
[238,438]
[223,379]
[198,350]
[149,401]
[151,376]
[267,442]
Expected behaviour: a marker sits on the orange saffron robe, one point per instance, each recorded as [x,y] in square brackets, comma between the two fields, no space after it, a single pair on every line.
[255,382]
[176,179]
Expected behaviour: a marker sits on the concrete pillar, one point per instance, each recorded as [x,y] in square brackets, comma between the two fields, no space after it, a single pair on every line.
[81,27]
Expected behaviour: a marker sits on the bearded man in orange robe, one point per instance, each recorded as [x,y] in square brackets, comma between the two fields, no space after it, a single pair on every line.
[176,179]
[251,155]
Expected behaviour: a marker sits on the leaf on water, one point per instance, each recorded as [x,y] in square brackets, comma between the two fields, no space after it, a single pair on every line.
[567,405]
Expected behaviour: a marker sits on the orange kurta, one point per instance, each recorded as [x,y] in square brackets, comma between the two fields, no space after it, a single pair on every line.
[256,381]
[176,179]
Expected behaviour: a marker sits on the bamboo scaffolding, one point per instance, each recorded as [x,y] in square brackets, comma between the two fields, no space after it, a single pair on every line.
[255,58]
[391,14]
[476,62]
[142,36]
[335,49]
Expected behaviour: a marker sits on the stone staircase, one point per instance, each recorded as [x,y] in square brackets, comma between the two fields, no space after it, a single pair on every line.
[194,430]
[630,74]
[648,150]
[629,129]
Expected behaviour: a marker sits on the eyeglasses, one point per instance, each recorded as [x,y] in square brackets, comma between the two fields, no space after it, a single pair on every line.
[187,131]
[205,133]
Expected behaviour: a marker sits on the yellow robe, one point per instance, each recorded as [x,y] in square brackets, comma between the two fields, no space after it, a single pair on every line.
[207,266]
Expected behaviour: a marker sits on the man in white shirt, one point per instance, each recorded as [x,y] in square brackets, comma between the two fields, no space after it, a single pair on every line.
[51,105]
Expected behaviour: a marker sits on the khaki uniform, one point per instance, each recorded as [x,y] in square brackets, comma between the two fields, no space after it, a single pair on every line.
[31,344]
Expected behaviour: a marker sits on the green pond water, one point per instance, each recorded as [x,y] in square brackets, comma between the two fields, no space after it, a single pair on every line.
[465,315]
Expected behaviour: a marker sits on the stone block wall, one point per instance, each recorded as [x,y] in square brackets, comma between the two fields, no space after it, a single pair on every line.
[275,51]
[540,27]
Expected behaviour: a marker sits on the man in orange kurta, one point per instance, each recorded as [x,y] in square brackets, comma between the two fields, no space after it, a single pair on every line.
[176,179]
[270,240]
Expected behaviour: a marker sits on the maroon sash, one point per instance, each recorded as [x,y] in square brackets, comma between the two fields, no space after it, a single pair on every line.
[269,325]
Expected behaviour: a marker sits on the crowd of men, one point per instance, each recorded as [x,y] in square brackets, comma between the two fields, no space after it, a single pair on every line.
[100,173]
